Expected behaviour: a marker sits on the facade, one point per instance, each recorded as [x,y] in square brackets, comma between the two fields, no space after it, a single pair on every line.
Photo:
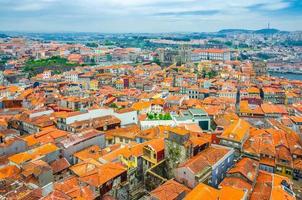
[12,146]
[210,54]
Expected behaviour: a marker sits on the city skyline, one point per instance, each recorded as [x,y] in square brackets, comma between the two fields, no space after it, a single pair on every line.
[148,16]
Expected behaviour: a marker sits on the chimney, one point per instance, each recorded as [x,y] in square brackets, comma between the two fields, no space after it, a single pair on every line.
[106,125]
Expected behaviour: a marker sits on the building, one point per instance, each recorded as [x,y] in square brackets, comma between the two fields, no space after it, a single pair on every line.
[273,95]
[126,116]
[47,152]
[193,116]
[107,178]
[80,141]
[209,166]
[243,175]
[272,186]
[198,55]
[235,135]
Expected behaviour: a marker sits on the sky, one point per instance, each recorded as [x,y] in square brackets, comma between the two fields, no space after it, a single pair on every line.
[117,16]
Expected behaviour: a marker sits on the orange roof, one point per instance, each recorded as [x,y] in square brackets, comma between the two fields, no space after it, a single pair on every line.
[268,186]
[141,105]
[154,132]
[253,90]
[170,190]
[278,193]
[129,132]
[156,144]
[210,50]
[45,149]
[158,101]
[9,172]
[212,109]
[59,165]
[20,158]
[56,194]
[191,127]
[253,109]
[231,193]
[103,174]
[296,119]
[262,188]
[93,152]
[247,167]
[205,159]
[50,134]
[272,108]
[179,131]
[236,182]
[30,140]
[236,131]
[85,167]
[203,192]
[72,188]
[34,153]
[13,89]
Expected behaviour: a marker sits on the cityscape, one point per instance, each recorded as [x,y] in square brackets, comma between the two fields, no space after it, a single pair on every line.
[150,100]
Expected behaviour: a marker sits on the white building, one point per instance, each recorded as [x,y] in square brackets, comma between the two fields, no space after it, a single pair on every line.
[71,76]
[128,116]
[210,54]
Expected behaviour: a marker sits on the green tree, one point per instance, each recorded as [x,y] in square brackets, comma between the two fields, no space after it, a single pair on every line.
[113,105]
[156,60]
[167,116]
[92,45]
[150,116]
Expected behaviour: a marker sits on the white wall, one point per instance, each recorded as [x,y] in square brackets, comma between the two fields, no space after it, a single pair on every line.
[127,117]
[37,114]
[152,123]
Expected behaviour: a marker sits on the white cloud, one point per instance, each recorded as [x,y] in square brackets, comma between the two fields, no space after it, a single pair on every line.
[141,15]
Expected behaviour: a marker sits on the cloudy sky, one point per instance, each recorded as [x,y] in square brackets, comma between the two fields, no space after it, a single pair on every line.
[148,15]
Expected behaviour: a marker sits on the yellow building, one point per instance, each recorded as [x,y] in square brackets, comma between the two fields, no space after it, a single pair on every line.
[94,85]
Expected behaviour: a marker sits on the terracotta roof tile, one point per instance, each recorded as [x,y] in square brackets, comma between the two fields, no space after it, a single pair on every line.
[170,190]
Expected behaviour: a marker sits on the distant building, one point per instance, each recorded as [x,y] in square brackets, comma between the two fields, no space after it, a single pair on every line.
[260,68]
[210,54]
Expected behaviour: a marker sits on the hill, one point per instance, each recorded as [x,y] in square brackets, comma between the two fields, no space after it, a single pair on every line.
[261,31]
[55,63]
[233,31]
[3,35]
[267,31]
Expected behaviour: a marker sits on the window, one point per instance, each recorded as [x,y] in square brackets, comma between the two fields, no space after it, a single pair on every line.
[288,172]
